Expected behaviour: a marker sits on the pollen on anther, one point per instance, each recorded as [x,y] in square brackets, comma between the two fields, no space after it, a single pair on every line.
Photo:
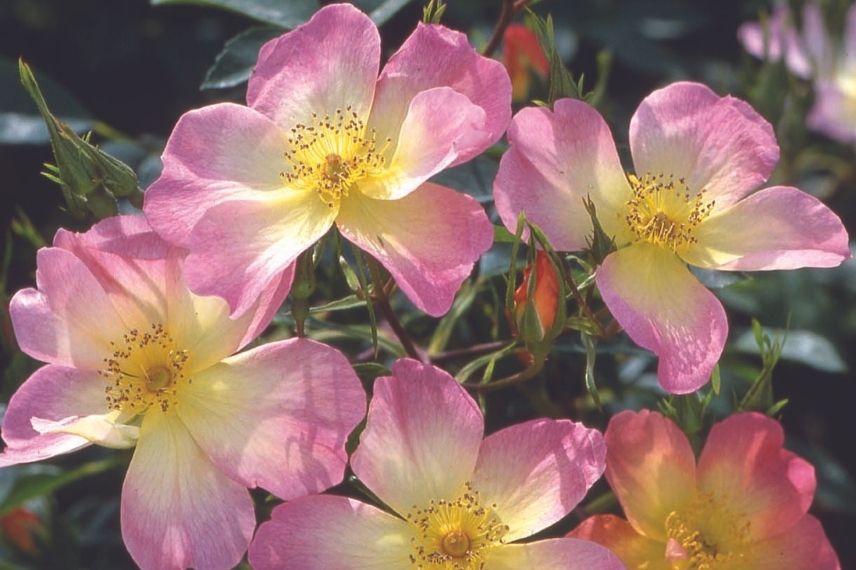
[332,154]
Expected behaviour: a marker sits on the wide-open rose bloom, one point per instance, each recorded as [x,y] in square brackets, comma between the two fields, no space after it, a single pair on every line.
[135,359]
[697,159]
[460,502]
[812,53]
[326,141]
[742,506]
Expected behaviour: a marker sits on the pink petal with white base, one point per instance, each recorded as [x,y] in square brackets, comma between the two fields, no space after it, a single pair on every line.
[556,159]
[745,466]
[245,246]
[553,554]
[650,467]
[142,274]
[428,142]
[663,308]
[537,472]
[325,532]
[214,155]
[421,439]
[776,228]
[329,63]
[178,510]
[717,144]
[53,393]
[435,56]
[277,416]
[428,240]
[69,320]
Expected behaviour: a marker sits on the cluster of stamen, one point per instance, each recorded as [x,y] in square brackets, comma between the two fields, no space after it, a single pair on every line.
[664,211]
[712,536]
[454,535]
[143,371]
[332,154]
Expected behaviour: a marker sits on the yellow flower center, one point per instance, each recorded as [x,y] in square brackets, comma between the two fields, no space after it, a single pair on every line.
[331,155]
[454,535]
[712,536]
[664,211]
[143,371]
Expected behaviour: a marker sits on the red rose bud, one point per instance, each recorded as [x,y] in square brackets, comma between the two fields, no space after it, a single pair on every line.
[18,528]
[535,316]
[522,55]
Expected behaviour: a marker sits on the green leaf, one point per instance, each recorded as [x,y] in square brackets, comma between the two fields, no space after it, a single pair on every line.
[381,10]
[560,81]
[801,346]
[286,13]
[36,485]
[20,121]
[474,178]
[234,64]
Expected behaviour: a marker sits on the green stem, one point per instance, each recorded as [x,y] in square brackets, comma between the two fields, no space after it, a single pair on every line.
[381,299]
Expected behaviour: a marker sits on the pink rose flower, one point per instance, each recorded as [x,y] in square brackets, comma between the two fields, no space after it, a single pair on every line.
[137,360]
[813,54]
[456,501]
[325,140]
[743,505]
[698,157]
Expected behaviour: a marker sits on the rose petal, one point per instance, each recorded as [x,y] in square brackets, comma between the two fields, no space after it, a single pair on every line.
[215,154]
[421,439]
[52,393]
[717,144]
[277,416]
[435,56]
[553,554]
[650,467]
[69,320]
[536,472]
[776,228]
[744,466]
[665,309]
[245,246]
[178,510]
[331,62]
[428,142]
[833,112]
[619,536]
[804,545]
[428,240]
[556,159]
[325,532]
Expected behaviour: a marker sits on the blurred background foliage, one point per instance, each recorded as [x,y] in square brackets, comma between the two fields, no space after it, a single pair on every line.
[126,70]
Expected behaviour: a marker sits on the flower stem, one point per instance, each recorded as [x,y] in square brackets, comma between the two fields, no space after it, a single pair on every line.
[507,12]
[381,300]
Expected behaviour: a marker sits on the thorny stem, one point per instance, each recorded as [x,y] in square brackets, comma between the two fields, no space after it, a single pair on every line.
[381,299]
[468,351]
[509,9]
[514,379]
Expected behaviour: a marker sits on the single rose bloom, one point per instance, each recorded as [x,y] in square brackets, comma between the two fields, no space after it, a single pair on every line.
[690,199]
[813,53]
[454,501]
[742,505]
[324,140]
[134,359]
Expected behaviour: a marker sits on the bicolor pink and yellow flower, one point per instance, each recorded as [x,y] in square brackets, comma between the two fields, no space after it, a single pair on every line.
[742,505]
[697,158]
[457,501]
[134,359]
[812,53]
[324,140]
